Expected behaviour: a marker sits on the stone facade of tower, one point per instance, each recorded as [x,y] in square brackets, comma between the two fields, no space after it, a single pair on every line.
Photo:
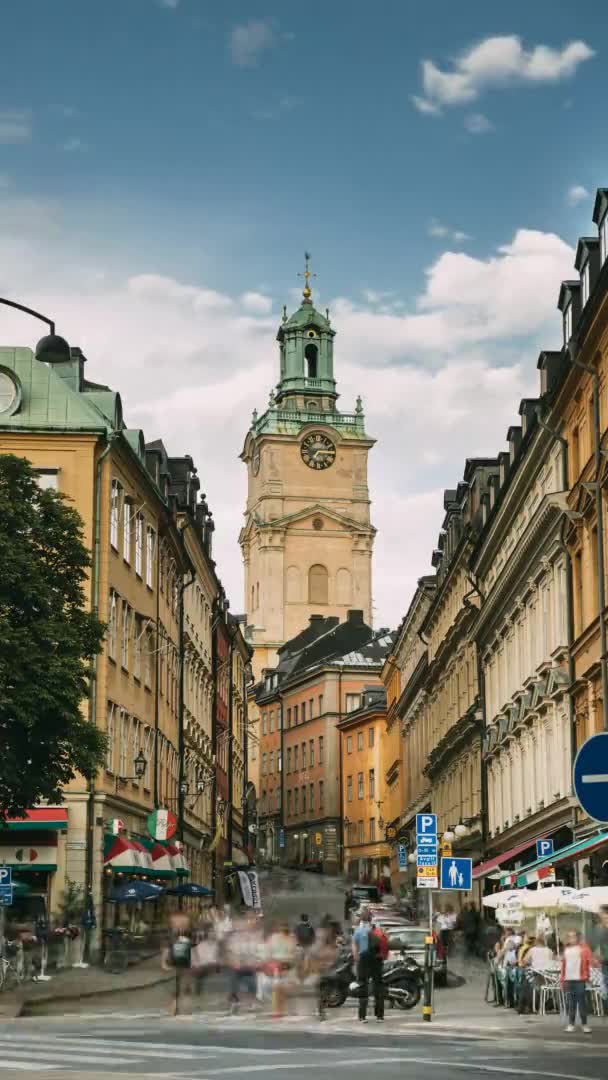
[307,539]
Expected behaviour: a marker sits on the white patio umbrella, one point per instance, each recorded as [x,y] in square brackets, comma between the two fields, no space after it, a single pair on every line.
[592,898]
[553,900]
[498,899]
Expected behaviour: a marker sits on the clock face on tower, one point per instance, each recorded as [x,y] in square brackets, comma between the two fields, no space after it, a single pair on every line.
[318,452]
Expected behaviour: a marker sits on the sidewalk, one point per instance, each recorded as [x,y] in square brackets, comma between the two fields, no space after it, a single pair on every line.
[76,984]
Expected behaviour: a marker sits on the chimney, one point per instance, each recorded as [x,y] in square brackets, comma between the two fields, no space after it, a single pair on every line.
[315,619]
[355,618]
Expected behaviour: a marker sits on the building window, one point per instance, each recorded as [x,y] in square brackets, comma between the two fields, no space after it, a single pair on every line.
[115,513]
[371,737]
[320,749]
[303,712]
[318,585]
[150,546]
[361,832]
[295,716]
[271,722]
[124,635]
[359,740]
[295,759]
[289,759]
[289,803]
[126,531]
[372,784]
[604,238]
[139,544]
[349,789]
[254,751]
[110,735]
[124,743]
[137,647]
[349,744]
[310,708]
[586,282]
[321,794]
[264,763]
[372,830]
[279,718]
[279,761]
[48,479]
[353,702]
[149,641]
[296,800]
[303,800]
[575,454]
[311,753]
[264,723]
[568,323]
[312,797]
[360,785]
[320,704]
[289,718]
[271,762]
[112,625]
[303,755]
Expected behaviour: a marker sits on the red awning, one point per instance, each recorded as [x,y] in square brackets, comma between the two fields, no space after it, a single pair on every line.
[41,817]
[484,868]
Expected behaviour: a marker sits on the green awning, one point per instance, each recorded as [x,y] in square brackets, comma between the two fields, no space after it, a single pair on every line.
[527,875]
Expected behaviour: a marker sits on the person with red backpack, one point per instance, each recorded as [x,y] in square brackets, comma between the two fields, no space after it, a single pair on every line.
[370,949]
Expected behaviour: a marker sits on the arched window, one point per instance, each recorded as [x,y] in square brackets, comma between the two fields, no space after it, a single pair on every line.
[318,585]
[311,353]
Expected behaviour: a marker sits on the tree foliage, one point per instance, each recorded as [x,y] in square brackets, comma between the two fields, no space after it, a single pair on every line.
[48,641]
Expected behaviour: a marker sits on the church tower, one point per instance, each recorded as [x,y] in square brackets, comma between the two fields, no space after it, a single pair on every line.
[307,540]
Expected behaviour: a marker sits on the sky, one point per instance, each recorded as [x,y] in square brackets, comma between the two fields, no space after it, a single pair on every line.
[165,163]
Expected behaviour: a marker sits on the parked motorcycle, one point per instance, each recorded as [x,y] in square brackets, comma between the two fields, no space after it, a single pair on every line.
[401,980]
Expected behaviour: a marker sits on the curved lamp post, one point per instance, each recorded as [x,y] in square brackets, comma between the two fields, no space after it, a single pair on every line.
[52,348]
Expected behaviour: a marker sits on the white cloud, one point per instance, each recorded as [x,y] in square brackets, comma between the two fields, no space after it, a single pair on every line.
[425,106]
[478,124]
[170,4]
[495,62]
[15,126]
[250,40]
[576,194]
[444,232]
[440,380]
[256,303]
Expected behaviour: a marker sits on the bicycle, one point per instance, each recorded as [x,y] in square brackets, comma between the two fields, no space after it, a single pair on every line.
[11,976]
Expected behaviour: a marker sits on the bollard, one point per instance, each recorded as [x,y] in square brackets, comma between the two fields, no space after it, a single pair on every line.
[429,957]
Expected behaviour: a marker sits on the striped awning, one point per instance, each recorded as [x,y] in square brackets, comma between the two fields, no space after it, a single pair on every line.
[162,866]
[39,818]
[484,868]
[178,859]
[538,870]
[125,856]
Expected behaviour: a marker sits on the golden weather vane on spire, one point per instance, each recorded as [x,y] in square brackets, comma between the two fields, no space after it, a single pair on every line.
[307,275]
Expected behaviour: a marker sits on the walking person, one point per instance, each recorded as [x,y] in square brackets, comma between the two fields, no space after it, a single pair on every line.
[601,946]
[242,952]
[369,968]
[576,966]
[305,933]
[176,956]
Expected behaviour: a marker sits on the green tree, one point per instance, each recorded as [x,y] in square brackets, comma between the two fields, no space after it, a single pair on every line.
[48,641]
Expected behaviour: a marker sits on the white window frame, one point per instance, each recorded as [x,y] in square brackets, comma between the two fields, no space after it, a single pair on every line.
[150,551]
[110,736]
[360,785]
[47,479]
[112,624]
[567,323]
[126,531]
[124,635]
[586,282]
[137,641]
[139,544]
[148,666]
[123,750]
[603,231]
[115,512]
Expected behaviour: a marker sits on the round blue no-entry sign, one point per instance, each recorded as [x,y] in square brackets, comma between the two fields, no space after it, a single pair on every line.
[591,777]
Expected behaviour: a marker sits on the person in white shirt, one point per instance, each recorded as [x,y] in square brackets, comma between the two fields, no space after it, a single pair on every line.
[539,957]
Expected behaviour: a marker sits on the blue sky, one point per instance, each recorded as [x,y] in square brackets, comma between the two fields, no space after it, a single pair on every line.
[153,148]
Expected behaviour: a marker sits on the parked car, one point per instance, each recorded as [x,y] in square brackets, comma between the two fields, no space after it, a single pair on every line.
[411,941]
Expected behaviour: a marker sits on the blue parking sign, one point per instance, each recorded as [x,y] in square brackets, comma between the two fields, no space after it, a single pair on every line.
[402,856]
[544,849]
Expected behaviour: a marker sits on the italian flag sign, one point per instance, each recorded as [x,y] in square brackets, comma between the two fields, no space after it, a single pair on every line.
[162,825]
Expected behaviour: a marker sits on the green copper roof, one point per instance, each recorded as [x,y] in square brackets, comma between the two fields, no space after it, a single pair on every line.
[307,315]
[47,402]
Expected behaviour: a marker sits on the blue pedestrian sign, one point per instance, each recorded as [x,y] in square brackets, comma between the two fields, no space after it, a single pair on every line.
[457,874]
[591,777]
[402,856]
[544,849]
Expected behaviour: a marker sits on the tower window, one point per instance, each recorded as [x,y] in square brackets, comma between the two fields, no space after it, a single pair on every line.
[318,585]
[311,353]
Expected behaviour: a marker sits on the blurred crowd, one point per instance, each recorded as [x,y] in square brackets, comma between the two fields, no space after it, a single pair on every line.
[263,966]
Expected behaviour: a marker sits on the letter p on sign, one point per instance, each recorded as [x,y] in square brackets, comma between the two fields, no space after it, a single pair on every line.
[544,849]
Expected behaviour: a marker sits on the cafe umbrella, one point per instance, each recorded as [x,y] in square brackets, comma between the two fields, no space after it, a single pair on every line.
[135,892]
[189,888]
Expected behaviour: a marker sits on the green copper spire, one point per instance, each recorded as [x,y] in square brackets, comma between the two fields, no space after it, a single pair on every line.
[307,352]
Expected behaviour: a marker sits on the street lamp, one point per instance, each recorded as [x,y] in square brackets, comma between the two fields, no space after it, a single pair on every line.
[461,830]
[449,835]
[140,764]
